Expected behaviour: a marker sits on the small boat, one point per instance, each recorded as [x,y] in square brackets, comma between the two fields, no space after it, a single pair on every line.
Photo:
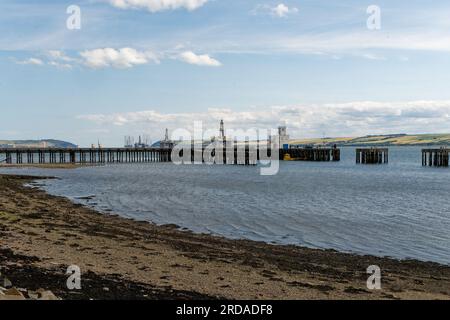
[287,157]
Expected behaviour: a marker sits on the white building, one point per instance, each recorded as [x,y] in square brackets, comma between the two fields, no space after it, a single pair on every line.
[282,139]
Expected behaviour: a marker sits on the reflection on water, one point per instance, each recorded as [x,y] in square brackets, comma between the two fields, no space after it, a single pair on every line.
[400,210]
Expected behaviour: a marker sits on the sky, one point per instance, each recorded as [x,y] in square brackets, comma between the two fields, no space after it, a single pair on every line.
[135,67]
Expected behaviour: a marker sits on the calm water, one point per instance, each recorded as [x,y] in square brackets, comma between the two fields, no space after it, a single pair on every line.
[400,210]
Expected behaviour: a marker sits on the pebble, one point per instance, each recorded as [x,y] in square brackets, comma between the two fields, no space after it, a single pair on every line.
[4,282]
[46,295]
[12,294]
[8,292]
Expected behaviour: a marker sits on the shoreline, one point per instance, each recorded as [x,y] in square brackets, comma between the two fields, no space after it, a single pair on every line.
[127,259]
[47,165]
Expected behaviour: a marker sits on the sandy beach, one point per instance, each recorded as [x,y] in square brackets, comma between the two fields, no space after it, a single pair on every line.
[41,235]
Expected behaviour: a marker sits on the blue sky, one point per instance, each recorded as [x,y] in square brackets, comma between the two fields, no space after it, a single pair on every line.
[136,67]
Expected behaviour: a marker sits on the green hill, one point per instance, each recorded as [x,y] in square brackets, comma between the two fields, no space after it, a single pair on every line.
[385,140]
[51,143]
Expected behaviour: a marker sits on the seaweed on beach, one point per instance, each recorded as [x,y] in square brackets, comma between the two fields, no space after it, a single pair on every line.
[23,273]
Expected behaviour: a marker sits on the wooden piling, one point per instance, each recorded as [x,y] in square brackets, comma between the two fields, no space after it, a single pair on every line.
[372,156]
[435,157]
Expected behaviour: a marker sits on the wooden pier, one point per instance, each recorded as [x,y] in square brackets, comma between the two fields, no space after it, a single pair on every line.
[372,155]
[435,157]
[238,155]
[311,154]
[232,154]
[84,155]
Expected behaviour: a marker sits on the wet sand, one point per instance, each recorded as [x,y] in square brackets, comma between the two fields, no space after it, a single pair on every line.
[41,235]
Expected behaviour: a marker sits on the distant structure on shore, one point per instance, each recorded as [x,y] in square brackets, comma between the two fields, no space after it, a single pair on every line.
[221,137]
[143,142]
[282,139]
[166,143]
[221,131]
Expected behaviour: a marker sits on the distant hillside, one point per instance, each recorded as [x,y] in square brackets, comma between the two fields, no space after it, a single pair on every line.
[387,140]
[36,143]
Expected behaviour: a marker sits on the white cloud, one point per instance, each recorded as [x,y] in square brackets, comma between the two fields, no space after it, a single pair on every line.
[121,58]
[371,56]
[60,65]
[59,55]
[343,119]
[60,60]
[117,58]
[52,58]
[158,5]
[200,60]
[281,10]
[31,61]
[356,42]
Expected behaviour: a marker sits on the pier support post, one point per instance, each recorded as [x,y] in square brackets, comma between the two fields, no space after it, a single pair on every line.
[435,157]
[372,156]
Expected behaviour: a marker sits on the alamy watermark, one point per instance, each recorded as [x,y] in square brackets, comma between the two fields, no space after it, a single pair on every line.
[374,20]
[374,280]
[73,22]
[74,280]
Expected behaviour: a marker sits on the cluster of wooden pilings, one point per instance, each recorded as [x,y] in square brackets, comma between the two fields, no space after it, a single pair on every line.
[312,154]
[435,157]
[372,155]
[85,156]
[231,157]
